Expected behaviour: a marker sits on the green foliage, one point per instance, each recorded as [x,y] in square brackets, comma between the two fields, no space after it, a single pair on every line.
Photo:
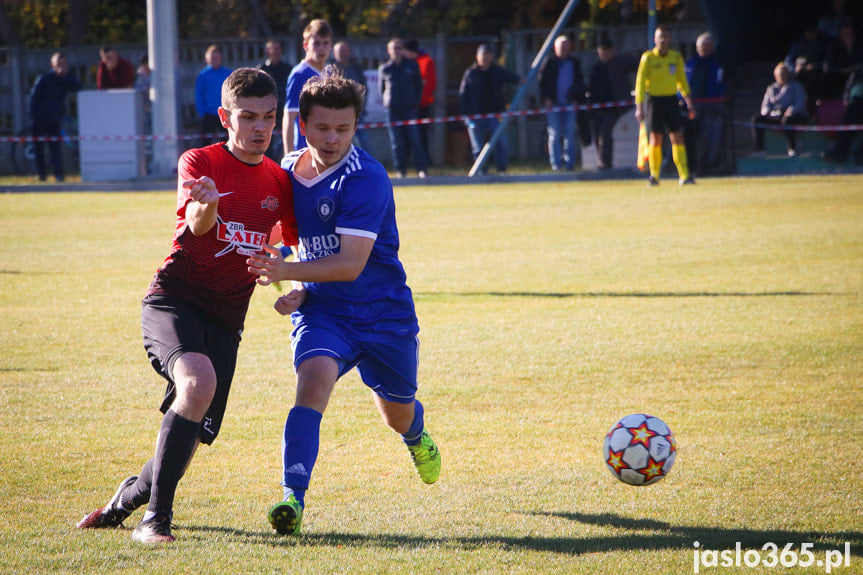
[731,309]
[39,23]
[117,23]
[43,23]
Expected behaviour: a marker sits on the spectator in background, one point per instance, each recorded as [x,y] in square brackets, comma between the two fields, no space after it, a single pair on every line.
[280,71]
[561,83]
[806,59]
[608,81]
[142,76]
[208,93]
[784,103]
[317,45]
[428,73]
[844,54]
[142,86]
[352,70]
[114,71]
[706,78]
[481,92]
[401,86]
[836,16]
[852,114]
[47,106]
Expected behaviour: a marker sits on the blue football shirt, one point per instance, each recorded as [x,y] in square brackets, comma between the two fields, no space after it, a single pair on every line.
[354,197]
[300,74]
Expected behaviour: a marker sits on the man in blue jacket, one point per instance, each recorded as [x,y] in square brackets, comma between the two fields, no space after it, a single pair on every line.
[561,83]
[481,92]
[706,78]
[47,106]
[208,93]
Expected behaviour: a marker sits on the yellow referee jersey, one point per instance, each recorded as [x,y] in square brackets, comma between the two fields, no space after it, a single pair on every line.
[660,75]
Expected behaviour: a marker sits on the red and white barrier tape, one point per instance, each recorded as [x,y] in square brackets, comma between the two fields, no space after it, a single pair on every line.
[462,119]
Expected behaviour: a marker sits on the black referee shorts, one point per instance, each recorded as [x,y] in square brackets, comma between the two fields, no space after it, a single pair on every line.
[663,115]
[173,327]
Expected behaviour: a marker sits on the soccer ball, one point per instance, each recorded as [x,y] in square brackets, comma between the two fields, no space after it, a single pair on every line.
[639,449]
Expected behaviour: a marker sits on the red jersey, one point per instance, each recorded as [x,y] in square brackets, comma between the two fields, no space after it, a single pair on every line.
[210,271]
[429,76]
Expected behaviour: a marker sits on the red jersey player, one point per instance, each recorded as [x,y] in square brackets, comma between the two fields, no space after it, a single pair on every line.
[229,198]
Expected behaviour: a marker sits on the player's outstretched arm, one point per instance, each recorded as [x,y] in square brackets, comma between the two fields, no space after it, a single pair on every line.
[201,213]
[344,266]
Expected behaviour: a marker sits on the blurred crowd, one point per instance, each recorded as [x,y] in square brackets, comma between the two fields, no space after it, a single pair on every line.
[820,81]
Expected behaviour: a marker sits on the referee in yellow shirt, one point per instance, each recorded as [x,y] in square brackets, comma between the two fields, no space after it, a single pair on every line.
[660,77]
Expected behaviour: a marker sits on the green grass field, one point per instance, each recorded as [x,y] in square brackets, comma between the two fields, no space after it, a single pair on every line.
[732,310]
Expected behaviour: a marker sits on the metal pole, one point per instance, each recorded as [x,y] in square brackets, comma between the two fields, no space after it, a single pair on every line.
[164,66]
[651,22]
[522,91]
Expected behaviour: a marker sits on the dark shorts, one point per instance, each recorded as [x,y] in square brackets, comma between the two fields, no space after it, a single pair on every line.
[663,115]
[173,327]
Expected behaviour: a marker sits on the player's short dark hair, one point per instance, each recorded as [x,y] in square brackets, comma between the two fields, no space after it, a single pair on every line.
[247,83]
[331,90]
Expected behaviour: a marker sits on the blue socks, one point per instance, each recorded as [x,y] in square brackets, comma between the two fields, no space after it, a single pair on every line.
[414,433]
[301,441]
[300,450]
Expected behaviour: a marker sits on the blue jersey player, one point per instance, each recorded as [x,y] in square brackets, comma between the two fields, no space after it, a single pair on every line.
[350,306]
[317,44]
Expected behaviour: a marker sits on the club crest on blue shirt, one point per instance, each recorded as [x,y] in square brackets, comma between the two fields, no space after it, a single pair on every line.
[325,208]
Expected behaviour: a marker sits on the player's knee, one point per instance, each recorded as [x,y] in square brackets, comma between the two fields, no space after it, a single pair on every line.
[196,382]
[397,416]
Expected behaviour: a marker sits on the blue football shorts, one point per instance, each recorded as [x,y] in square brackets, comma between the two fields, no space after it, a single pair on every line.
[387,362]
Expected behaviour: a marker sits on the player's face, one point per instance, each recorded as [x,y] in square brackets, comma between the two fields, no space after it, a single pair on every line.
[250,126]
[328,134]
[318,49]
[662,39]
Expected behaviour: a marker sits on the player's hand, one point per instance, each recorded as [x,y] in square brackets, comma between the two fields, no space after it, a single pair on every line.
[290,302]
[267,265]
[202,190]
[639,113]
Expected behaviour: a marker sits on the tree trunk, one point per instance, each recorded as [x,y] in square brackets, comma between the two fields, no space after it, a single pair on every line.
[79,20]
[260,19]
[391,22]
[8,35]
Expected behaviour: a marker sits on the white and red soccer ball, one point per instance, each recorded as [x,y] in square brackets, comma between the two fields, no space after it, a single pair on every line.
[639,449]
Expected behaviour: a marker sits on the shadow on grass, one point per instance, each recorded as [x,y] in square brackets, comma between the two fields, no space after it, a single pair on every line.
[658,294]
[636,534]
